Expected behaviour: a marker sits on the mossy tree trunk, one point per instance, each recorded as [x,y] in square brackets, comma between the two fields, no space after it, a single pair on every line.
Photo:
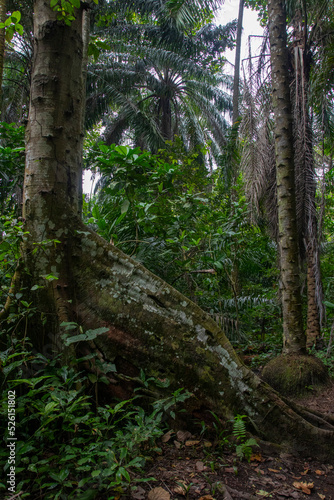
[54,138]
[150,325]
[294,339]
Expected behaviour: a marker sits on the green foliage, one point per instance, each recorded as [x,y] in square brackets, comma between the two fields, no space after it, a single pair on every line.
[11,235]
[176,218]
[244,447]
[66,9]
[11,167]
[82,336]
[224,439]
[67,447]
[220,432]
[261,7]
[12,25]
[151,79]
[326,357]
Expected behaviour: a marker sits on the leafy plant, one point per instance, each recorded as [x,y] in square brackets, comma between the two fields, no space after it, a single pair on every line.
[66,9]
[11,168]
[12,25]
[166,211]
[244,447]
[66,446]
[220,432]
[81,336]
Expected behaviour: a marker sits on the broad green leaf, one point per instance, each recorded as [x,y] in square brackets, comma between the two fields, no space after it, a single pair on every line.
[50,406]
[104,380]
[92,334]
[17,16]
[19,29]
[103,148]
[92,377]
[83,481]
[124,150]
[125,206]
[76,338]
[124,473]
[35,287]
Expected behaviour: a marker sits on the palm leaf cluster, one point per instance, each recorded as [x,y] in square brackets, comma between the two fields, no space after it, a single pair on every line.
[311,97]
[155,81]
[17,67]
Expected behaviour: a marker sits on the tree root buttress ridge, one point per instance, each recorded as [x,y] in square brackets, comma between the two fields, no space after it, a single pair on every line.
[154,327]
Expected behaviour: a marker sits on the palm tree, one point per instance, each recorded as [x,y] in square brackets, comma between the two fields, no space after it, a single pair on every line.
[161,82]
[308,89]
[281,372]
[293,338]
[180,14]
[17,67]
[165,95]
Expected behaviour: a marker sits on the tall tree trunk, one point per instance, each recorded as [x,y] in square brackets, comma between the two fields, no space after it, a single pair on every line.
[149,323]
[236,81]
[294,340]
[305,175]
[53,154]
[85,42]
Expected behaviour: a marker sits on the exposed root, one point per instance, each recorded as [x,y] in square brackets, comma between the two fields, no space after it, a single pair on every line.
[182,343]
[314,417]
[153,327]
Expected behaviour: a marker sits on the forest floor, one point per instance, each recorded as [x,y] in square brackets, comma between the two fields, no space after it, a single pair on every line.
[191,467]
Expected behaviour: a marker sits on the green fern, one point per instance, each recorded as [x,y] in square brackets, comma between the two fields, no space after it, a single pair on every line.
[244,448]
[239,427]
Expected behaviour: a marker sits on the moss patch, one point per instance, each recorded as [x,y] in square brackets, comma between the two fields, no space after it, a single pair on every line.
[295,374]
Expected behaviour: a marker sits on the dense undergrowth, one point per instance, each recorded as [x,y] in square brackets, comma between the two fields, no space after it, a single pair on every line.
[68,445]
[64,443]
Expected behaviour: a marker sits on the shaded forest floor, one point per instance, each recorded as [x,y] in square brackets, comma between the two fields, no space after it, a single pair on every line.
[190,467]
